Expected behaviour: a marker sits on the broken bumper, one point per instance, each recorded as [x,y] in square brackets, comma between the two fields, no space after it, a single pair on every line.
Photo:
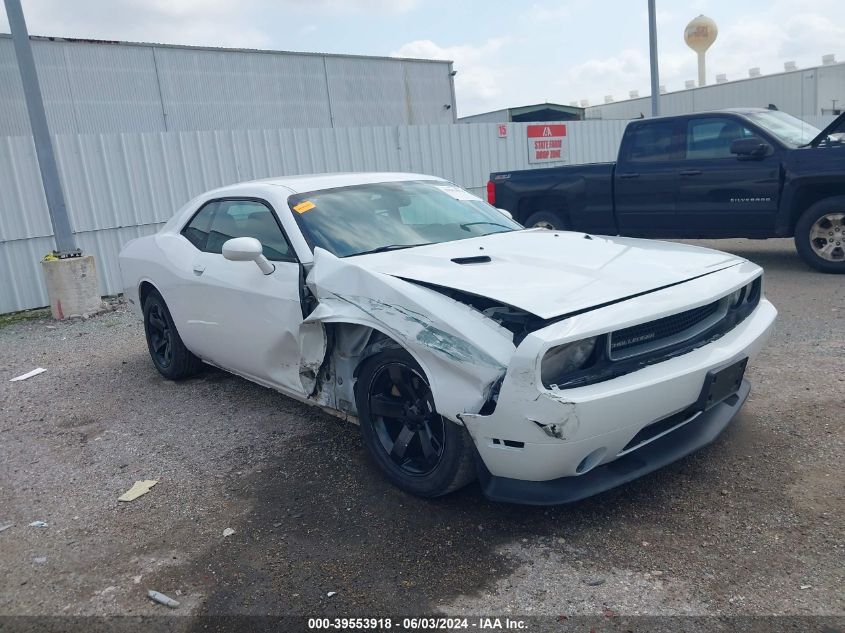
[661,452]
[598,446]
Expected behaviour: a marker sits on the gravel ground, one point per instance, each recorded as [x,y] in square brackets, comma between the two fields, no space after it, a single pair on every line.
[752,525]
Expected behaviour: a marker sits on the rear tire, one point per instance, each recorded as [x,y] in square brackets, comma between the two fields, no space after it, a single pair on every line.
[418,450]
[820,235]
[545,220]
[169,355]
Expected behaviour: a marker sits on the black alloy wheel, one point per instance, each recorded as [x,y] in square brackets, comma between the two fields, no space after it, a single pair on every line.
[402,414]
[171,358]
[419,450]
[161,336]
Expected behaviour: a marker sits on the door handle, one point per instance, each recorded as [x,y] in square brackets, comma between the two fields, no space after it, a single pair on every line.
[629,175]
[199,269]
[690,172]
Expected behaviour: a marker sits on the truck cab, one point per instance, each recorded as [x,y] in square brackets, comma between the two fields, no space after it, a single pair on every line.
[742,172]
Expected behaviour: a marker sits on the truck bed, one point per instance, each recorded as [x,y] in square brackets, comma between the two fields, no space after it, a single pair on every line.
[585,191]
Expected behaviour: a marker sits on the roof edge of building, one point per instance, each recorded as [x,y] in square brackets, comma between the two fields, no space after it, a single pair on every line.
[197,47]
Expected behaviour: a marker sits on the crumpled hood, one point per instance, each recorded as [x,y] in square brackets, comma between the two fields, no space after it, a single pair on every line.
[550,273]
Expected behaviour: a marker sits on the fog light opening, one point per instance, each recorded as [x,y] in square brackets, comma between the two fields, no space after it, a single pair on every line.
[590,461]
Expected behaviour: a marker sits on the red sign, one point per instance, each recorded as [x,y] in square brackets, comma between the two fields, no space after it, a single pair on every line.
[503,130]
[545,143]
[546,131]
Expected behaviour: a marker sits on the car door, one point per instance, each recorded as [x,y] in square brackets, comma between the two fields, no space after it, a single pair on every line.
[720,194]
[236,316]
[645,181]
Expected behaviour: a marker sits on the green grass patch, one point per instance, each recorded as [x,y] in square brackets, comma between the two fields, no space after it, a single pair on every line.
[11,318]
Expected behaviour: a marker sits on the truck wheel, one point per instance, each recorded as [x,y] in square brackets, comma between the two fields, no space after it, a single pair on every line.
[820,235]
[545,220]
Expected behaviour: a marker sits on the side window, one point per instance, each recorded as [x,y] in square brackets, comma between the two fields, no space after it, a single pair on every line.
[223,220]
[198,229]
[649,142]
[712,137]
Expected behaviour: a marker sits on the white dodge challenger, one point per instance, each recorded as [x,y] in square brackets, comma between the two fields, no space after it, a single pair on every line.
[551,365]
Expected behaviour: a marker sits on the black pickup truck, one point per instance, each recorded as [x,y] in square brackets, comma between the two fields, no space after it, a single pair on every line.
[745,172]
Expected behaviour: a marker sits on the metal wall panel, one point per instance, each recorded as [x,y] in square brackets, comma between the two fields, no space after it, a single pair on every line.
[820,122]
[101,87]
[429,91]
[230,90]
[87,88]
[13,118]
[121,186]
[831,87]
[366,92]
[496,116]
[112,88]
[803,93]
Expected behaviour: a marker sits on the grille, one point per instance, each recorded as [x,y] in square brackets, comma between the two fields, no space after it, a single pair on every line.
[665,331]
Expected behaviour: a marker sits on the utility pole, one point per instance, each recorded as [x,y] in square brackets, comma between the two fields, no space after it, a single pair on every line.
[65,242]
[652,49]
[70,278]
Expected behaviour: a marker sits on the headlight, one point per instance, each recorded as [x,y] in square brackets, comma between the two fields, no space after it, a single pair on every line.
[754,290]
[736,297]
[563,359]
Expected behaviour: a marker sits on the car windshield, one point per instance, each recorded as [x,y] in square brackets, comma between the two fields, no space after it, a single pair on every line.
[789,129]
[393,215]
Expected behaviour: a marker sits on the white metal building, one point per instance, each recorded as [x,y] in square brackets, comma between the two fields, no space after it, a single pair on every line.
[103,87]
[807,93]
[527,113]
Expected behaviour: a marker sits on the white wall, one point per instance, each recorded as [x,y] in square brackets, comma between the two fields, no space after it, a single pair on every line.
[803,93]
[101,87]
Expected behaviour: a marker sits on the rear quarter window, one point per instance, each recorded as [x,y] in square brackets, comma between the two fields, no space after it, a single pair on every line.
[652,142]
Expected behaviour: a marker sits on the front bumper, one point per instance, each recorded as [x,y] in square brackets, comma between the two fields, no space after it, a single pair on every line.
[661,452]
[596,424]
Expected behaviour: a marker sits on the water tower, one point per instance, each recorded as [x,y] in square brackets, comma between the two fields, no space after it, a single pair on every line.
[699,36]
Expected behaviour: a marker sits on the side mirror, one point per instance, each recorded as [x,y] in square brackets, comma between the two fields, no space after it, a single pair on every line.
[247,249]
[752,147]
[505,213]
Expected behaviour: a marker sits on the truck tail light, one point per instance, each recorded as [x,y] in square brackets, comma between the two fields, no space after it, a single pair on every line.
[491,192]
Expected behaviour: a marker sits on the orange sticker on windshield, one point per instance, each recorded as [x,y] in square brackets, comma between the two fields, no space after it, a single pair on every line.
[304,206]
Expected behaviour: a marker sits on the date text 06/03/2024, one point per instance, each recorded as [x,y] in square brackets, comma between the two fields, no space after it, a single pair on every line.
[416,624]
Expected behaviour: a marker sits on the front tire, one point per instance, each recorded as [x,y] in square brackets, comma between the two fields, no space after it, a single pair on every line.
[418,450]
[545,220]
[169,355]
[820,235]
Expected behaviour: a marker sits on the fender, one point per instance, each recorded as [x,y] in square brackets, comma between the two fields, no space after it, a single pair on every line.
[461,351]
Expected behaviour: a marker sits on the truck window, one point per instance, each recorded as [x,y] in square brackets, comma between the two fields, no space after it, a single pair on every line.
[712,137]
[653,141]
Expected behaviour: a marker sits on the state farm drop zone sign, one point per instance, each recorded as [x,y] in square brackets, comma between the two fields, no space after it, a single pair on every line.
[545,143]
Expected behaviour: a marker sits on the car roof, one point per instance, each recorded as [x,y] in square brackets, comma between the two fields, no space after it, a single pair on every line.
[315,182]
[740,111]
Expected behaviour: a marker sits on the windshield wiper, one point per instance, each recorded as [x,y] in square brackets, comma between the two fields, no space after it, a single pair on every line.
[466,224]
[390,247]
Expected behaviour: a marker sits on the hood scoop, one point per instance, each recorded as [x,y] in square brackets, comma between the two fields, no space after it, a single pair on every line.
[476,259]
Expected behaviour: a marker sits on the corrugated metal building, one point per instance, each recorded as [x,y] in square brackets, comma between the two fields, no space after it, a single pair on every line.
[807,93]
[103,87]
[527,114]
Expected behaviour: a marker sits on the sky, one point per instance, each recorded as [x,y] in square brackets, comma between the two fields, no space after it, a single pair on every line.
[507,53]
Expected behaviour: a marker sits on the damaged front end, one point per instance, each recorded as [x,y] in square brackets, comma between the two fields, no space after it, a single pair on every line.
[590,413]
[360,312]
